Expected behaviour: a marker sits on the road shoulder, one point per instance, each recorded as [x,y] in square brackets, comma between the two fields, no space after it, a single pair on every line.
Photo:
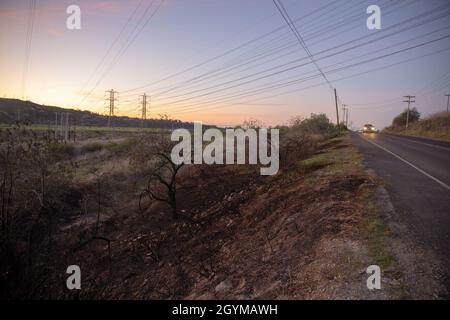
[416,272]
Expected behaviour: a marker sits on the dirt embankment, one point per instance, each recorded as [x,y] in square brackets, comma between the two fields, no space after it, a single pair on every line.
[306,233]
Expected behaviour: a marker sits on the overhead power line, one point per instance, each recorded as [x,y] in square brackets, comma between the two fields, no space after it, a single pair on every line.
[265,89]
[190,110]
[130,39]
[274,73]
[234,49]
[247,62]
[28,41]
[292,26]
[201,76]
[116,39]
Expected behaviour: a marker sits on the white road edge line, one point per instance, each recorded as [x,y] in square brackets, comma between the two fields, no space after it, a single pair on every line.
[420,142]
[409,163]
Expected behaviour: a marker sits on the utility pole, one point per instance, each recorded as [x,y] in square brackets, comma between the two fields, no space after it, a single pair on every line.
[337,110]
[66,131]
[144,110]
[346,119]
[74,131]
[56,125]
[448,100]
[345,114]
[61,127]
[409,101]
[112,99]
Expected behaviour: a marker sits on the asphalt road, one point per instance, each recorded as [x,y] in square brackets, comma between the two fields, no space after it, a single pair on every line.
[416,173]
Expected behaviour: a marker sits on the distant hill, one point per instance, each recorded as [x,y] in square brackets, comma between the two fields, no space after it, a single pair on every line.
[11,110]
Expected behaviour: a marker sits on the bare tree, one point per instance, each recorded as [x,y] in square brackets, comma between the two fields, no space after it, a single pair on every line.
[153,158]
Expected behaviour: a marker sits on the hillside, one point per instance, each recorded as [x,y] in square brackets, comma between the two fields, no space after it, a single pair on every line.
[435,126]
[12,110]
[307,232]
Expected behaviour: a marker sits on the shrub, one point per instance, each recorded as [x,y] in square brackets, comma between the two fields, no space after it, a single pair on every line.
[317,124]
[91,147]
[33,191]
[295,146]
[400,120]
[122,148]
[60,151]
[300,139]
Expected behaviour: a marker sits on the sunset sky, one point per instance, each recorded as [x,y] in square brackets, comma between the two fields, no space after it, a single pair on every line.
[166,51]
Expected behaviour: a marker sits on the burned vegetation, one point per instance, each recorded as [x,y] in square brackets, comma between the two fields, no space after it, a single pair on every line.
[141,226]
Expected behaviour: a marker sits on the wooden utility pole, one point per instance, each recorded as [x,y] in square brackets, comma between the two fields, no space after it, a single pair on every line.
[409,101]
[337,110]
[346,119]
[345,114]
[448,100]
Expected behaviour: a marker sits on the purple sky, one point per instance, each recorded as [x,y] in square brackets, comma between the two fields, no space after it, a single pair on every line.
[225,61]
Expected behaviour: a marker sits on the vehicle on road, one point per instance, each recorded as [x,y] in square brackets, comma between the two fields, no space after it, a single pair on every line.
[368,128]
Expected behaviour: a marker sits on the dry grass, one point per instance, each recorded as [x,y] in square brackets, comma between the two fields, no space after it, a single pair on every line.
[435,126]
[297,235]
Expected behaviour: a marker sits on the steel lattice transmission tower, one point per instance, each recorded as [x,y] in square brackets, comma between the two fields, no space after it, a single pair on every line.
[144,110]
[112,97]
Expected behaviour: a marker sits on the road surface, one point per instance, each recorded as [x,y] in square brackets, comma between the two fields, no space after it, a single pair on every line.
[416,174]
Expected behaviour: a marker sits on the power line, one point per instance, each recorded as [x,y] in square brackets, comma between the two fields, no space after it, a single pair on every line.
[28,41]
[299,81]
[310,77]
[232,50]
[116,39]
[301,59]
[228,51]
[131,38]
[357,74]
[292,26]
[297,66]
[215,72]
[225,69]
[425,90]
[190,109]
